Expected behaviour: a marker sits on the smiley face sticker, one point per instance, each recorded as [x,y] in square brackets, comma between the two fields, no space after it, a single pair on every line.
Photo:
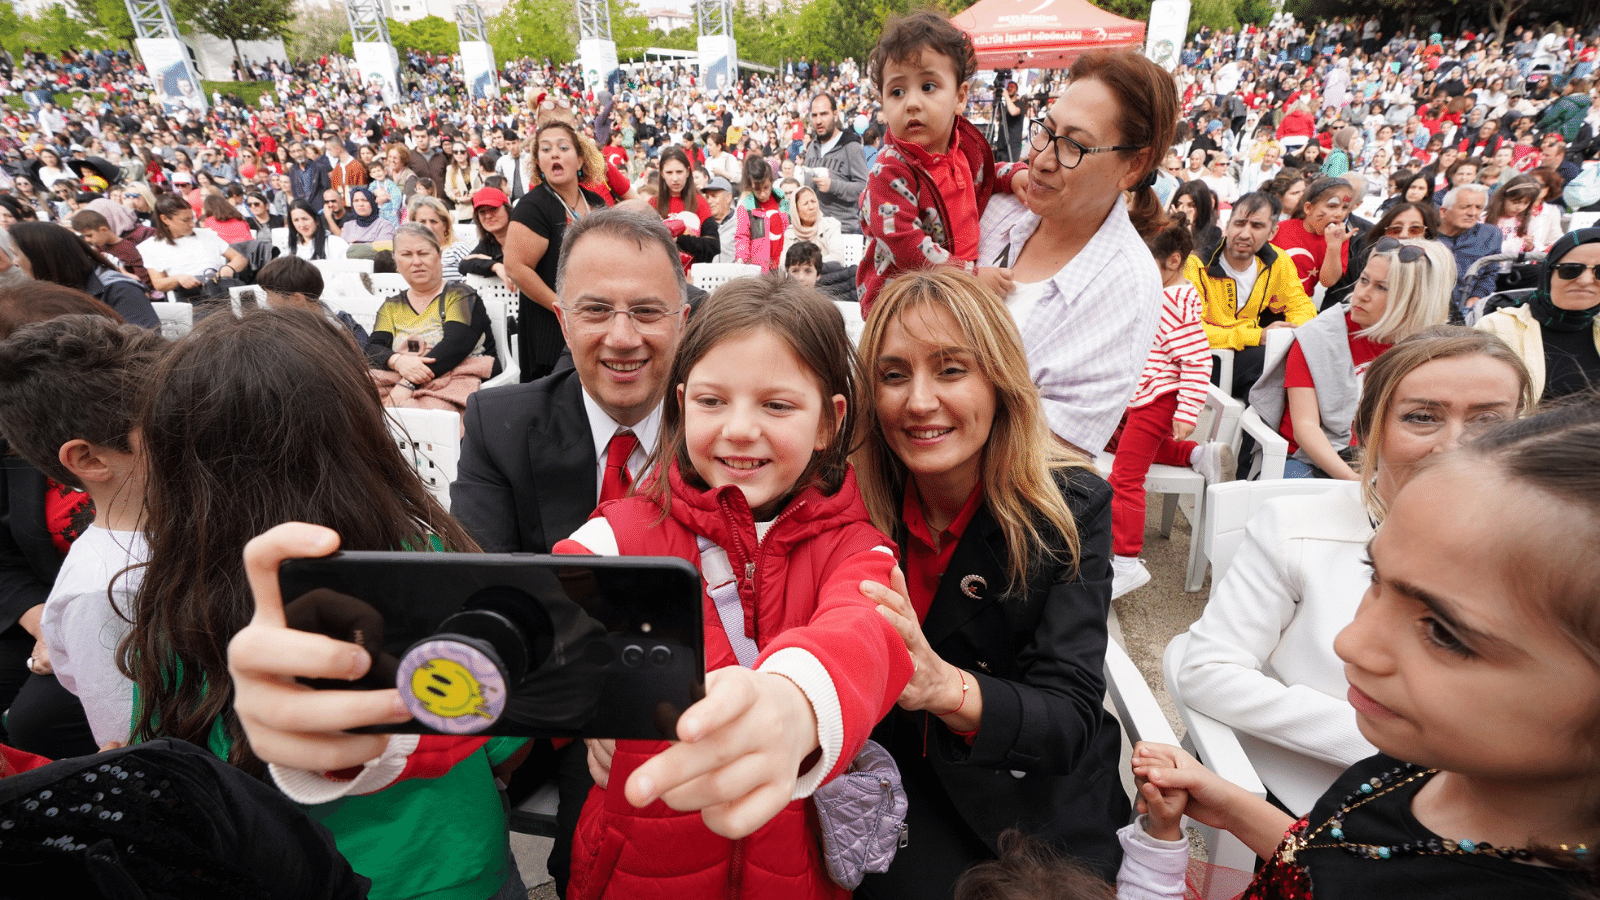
[452,684]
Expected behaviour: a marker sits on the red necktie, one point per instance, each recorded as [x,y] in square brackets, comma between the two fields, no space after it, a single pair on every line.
[614,485]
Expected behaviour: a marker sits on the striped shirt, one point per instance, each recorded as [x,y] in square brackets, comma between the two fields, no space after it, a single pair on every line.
[1181,358]
[1089,335]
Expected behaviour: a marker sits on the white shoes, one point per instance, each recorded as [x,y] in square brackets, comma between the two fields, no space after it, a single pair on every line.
[1216,463]
[1127,574]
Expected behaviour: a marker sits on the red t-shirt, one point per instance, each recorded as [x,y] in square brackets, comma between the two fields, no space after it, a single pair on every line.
[702,209]
[1297,374]
[1307,250]
[615,154]
[924,565]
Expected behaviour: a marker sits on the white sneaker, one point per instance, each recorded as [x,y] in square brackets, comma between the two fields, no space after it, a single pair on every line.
[1216,463]
[1127,574]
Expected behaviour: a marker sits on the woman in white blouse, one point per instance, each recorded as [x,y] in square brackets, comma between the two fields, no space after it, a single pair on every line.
[181,255]
[809,224]
[1261,658]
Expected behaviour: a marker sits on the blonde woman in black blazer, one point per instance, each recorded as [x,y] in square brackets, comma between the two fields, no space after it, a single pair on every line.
[1006,548]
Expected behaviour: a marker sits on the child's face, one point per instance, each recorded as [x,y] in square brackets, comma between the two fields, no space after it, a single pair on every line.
[753,416]
[1452,659]
[921,99]
[805,273]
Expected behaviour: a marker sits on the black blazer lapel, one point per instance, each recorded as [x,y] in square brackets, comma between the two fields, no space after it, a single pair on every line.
[562,460]
[979,554]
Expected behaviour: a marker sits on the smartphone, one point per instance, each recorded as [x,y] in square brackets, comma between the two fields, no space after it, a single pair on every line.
[513,644]
[413,346]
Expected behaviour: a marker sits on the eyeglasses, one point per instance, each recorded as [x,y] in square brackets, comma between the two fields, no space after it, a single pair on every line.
[1068,151]
[647,319]
[1408,253]
[1572,271]
[1406,230]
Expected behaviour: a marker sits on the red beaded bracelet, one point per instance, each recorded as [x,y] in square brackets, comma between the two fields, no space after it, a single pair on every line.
[964,688]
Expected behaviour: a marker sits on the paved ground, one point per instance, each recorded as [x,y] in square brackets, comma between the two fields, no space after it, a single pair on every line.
[1143,622]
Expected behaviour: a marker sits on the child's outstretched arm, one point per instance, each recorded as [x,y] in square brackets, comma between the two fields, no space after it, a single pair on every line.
[1212,800]
[739,754]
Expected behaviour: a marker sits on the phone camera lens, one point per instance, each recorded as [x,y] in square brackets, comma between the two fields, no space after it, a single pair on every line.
[660,656]
[633,656]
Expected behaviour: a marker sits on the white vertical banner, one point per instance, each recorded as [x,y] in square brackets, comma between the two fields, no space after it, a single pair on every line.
[379,66]
[598,59]
[477,70]
[719,63]
[172,74]
[1169,25]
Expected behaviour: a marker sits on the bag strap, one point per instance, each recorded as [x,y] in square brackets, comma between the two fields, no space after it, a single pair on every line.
[723,586]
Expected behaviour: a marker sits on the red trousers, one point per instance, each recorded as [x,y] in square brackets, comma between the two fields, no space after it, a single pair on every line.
[1143,439]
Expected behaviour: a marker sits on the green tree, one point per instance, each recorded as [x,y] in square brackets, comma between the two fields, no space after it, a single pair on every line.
[238,20]
[541,29]
[429,34]
[53,30]
[630,30]
[317,30]
[106,17]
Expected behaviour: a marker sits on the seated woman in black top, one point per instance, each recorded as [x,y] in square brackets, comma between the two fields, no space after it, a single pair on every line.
[1556,331]
[533,242]
[62,256]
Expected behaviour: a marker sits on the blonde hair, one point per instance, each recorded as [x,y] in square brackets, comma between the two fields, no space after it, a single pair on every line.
[1021,456]
[1419,292]
[437,205]
[1383,379]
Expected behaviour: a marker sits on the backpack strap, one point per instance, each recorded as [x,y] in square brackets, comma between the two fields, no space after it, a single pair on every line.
[723,586]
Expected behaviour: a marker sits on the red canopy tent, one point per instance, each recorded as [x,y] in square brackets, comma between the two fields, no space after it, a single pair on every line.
[1043,34]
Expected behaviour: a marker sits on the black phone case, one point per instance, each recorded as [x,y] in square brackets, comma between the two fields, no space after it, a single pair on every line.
[513,644]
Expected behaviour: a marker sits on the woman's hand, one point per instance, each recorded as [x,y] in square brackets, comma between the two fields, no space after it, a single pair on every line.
[39,662]
[413,368]
[188,281]
[935,685]
[286,722]
[738,756]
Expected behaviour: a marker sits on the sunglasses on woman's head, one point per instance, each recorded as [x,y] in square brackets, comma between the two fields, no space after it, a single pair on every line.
[1408,252]
[1573,271]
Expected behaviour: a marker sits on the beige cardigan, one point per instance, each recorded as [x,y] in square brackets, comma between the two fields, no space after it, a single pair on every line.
[1518,328]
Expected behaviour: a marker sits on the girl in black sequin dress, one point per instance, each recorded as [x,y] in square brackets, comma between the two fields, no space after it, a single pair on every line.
[1474,665]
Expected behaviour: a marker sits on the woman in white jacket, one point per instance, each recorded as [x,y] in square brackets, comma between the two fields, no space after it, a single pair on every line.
[1261,657]
[809,224]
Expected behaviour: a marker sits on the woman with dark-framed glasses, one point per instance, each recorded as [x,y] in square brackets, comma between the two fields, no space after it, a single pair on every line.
[1086,293]
[1555,331]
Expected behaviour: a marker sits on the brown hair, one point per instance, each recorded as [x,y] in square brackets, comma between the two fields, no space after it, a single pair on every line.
[590,161]
[811,326]
[1029,869]
[36,301]
[69,378]
[691,194]
[905,37]
[405,153]
[1175,237]
[232,449]
[1147,118]
[1385,374]
[167,205]
[1520,187]
[218,207]
[1021,456]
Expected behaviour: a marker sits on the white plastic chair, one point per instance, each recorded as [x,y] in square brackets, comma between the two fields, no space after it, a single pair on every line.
[241,292]
[1274,450]
[852,247]
[1215,745]
[431,440]
[1224,358]
[280,239]
[1233,756]
[1136,705]
[176,318]
[1219,421]
[710,276]
[342,266]
[510,372]
[387,284]
[495,289]
[362,307]
[1583,220]
[853,323]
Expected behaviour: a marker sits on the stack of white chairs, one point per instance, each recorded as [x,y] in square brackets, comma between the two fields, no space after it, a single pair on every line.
[431,440]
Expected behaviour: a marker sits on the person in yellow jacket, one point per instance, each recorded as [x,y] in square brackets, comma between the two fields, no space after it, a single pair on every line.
[1248,286]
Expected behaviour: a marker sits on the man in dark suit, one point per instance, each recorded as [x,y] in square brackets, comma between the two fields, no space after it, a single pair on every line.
[538,458]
